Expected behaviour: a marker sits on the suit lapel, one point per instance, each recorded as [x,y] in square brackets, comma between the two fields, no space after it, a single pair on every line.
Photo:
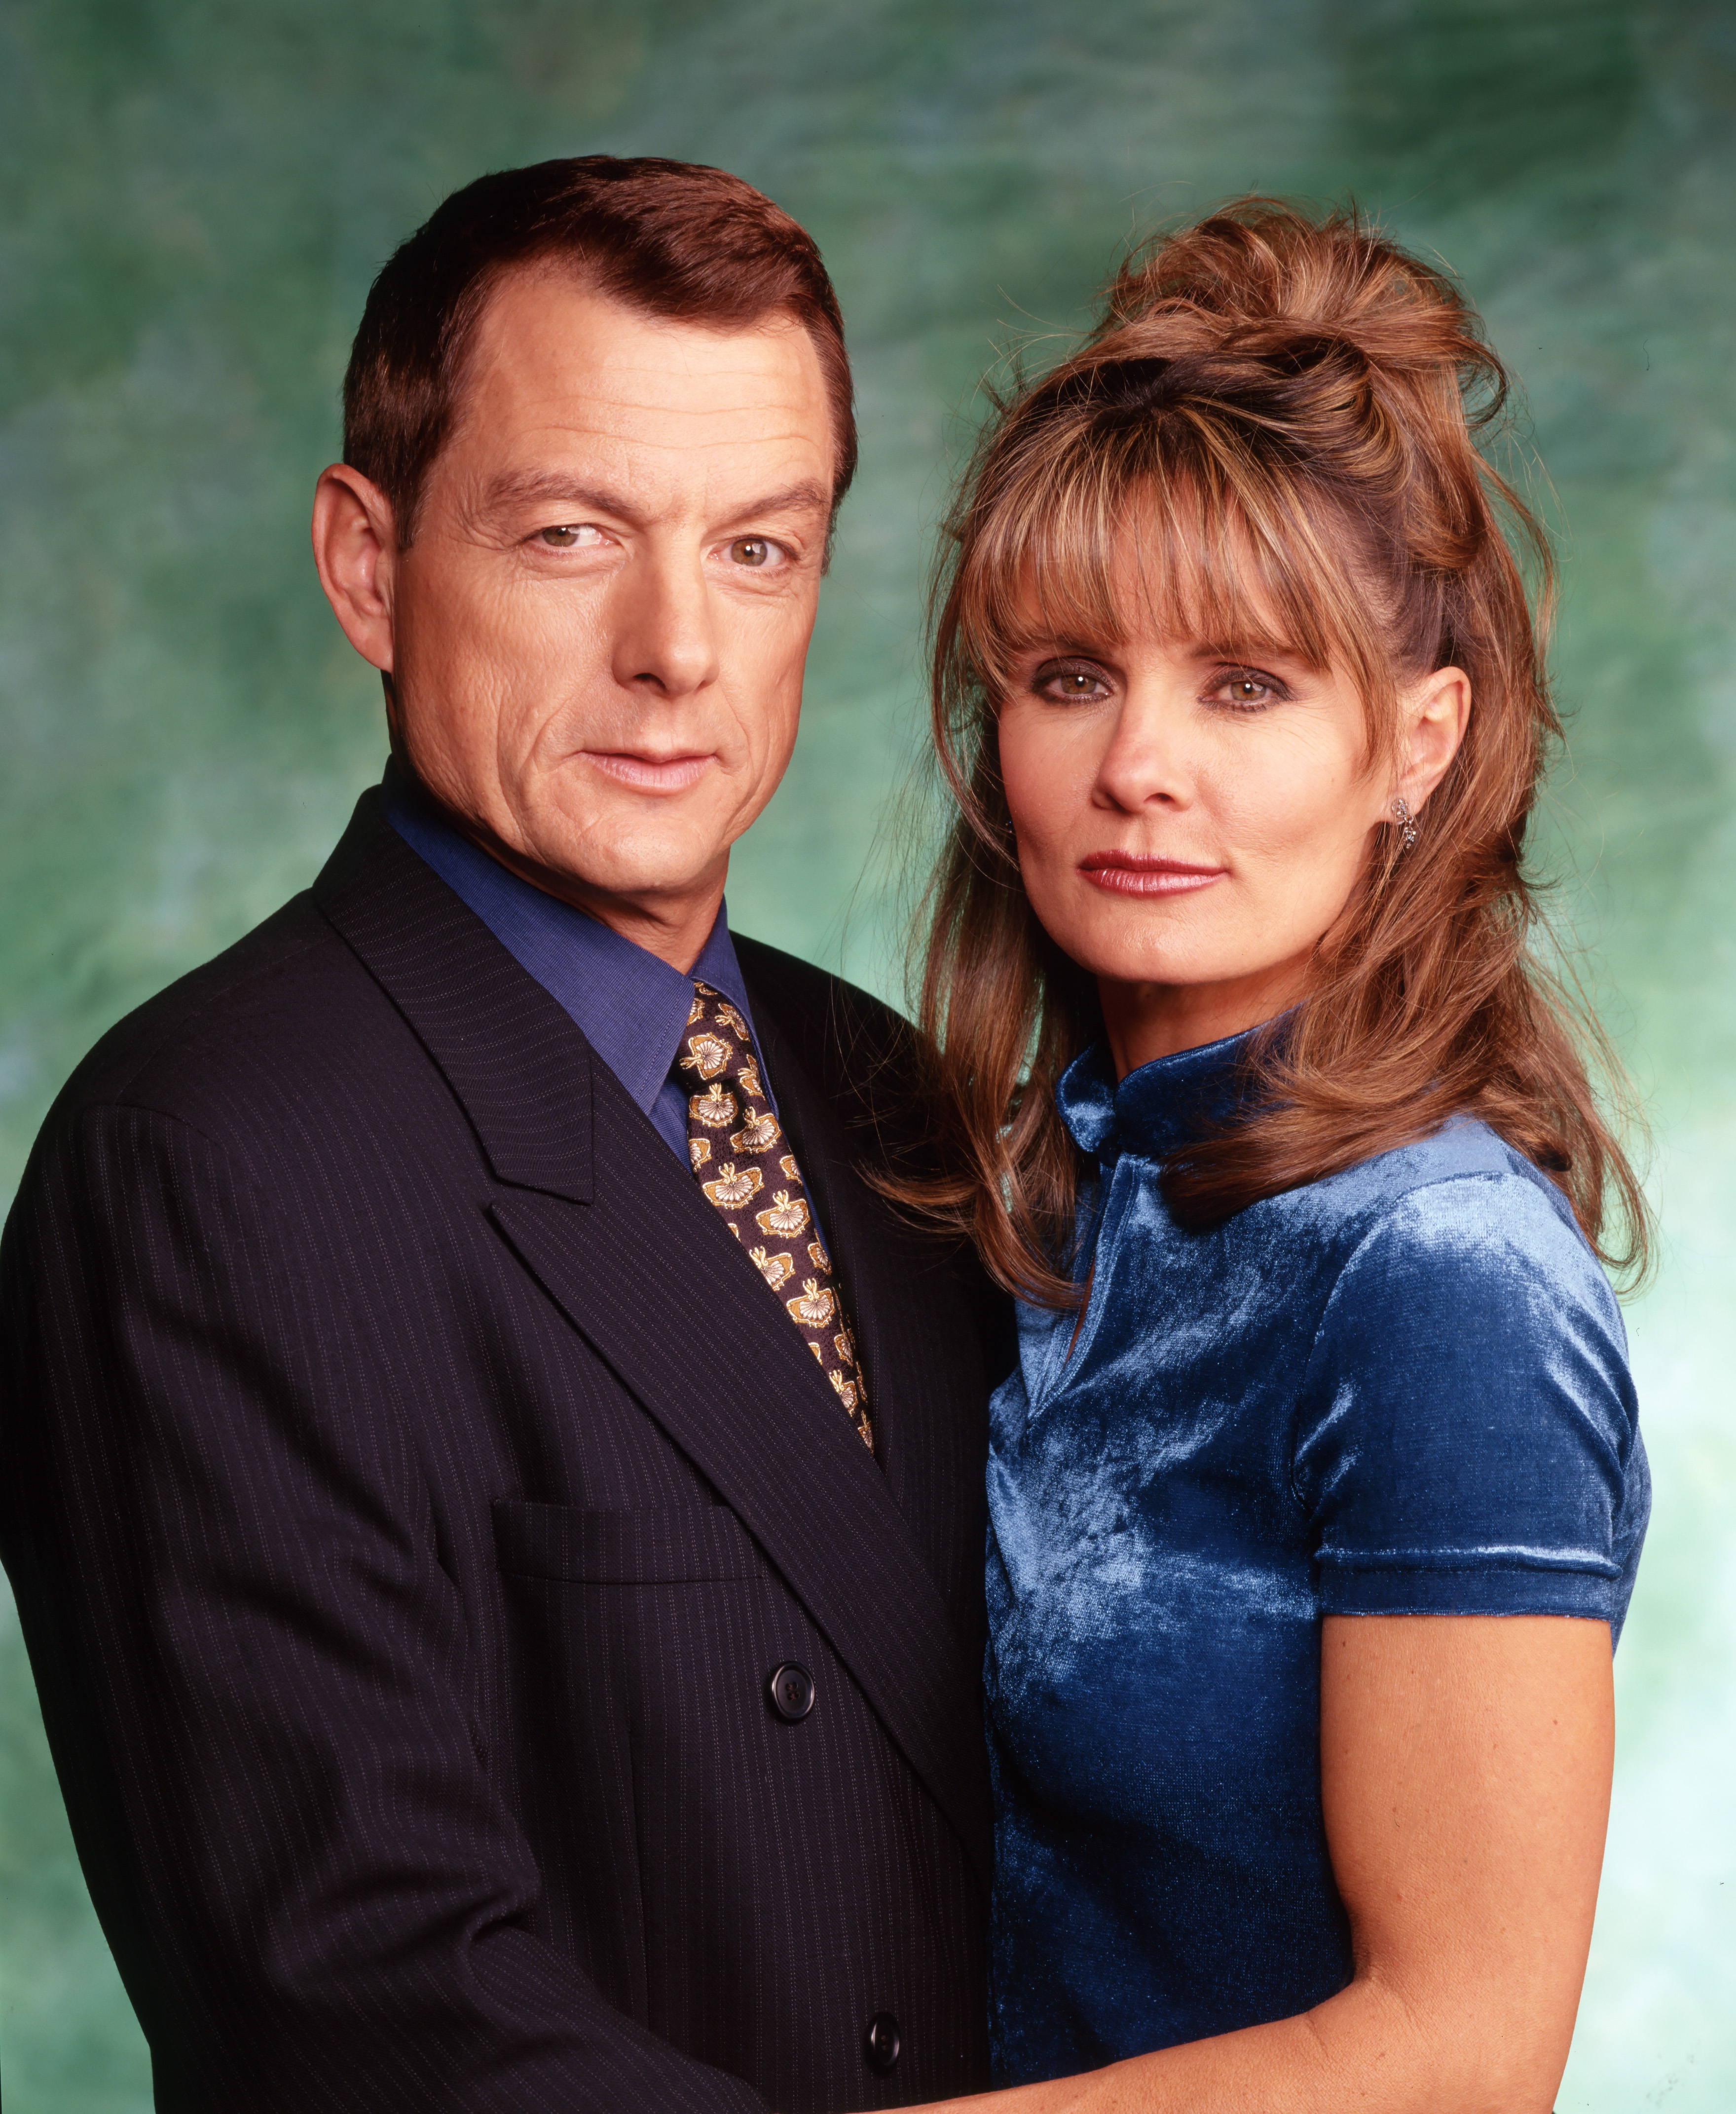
[520,1069]
[651,1276]
[616,1231]
[871,1285]
[931,1330]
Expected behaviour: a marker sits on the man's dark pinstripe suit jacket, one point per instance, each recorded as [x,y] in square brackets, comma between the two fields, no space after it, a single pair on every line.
[409,1485]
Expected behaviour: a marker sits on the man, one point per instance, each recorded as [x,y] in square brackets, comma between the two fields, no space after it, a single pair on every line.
[492,1493]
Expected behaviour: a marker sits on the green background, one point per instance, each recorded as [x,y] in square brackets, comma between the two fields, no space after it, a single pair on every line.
[195,197]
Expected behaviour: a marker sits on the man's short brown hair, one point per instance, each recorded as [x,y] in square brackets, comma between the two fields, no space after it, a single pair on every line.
[672,239]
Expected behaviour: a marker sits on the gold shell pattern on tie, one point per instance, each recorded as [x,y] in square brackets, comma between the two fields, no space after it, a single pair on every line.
[816,1307]
[706,1055]
[787,1216]
[734,1185]
[720,1051]
[716,1108]
[760,1135]
[776,1270]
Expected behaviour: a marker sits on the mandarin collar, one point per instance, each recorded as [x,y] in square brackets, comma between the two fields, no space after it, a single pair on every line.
[1155,1109]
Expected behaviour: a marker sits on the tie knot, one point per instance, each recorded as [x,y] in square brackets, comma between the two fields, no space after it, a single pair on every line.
[716,1045]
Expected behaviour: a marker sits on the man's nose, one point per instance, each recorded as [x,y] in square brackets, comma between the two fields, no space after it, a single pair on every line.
[666,639]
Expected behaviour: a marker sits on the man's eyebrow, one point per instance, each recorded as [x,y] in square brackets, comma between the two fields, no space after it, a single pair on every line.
[533,488]
[791,499]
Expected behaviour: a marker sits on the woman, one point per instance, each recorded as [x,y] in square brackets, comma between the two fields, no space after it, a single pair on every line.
[1316,1498]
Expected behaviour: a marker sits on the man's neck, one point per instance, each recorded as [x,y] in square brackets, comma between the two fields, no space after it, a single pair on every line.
[673,925]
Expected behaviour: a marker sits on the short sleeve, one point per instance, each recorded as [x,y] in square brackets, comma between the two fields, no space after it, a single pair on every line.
[1468,1441]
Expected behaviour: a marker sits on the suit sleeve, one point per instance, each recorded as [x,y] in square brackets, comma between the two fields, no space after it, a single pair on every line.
[255,1671]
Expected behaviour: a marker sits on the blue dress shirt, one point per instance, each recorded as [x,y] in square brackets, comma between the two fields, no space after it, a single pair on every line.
[630,1007]
[1403,1389]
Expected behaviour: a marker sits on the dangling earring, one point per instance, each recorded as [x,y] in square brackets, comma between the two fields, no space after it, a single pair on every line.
[1407,828]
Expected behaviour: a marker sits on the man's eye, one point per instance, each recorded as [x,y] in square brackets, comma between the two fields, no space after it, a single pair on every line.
[571,537]
[753,550]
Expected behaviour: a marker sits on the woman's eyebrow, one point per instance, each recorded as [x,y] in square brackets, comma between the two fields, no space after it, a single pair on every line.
[1034,639]
[1249,649]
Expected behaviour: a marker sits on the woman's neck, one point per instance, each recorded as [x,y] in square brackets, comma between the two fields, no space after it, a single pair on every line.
[1146,1020]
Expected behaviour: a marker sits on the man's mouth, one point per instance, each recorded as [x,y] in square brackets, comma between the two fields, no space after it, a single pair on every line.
[648,773]
[1133,873]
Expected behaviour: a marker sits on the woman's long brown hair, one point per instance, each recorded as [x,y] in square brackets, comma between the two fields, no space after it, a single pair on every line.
[1286,413]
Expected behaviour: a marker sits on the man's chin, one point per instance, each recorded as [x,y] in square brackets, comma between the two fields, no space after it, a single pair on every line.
[662,872]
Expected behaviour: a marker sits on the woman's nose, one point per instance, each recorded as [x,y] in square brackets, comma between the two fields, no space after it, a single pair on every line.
[1144,762]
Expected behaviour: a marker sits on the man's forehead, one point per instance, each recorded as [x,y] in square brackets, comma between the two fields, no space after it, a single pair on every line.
[554,353]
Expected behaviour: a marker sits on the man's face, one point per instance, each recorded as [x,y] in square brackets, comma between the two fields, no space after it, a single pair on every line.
[598,632]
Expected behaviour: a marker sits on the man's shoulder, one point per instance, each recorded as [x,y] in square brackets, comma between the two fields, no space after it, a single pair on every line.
[230,1034]
[297,1011]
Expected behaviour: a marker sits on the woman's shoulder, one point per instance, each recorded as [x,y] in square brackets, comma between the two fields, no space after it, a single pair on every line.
[1460,1172]
[1462,1217]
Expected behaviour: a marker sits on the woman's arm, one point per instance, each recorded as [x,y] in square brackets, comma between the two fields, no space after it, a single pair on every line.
[1465,1775]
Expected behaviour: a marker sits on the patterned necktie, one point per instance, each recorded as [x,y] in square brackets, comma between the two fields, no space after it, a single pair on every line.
[745,1167]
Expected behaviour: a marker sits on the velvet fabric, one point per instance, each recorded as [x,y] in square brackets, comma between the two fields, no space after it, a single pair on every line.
[1403,1389]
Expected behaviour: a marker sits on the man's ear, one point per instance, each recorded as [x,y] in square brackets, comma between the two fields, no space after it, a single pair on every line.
[1433,716]
[355,547]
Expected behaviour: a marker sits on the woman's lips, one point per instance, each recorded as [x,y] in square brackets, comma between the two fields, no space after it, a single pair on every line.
[1127,873]
[648,773]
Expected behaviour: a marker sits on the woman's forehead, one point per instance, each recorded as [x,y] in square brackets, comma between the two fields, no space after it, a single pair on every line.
[1145,581]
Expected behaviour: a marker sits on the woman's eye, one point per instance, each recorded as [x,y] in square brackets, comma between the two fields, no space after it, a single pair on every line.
[1071,686]
[1245,690]
[571,535]
[753,551]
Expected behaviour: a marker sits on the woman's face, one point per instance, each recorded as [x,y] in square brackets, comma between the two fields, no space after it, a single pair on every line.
[1192,817]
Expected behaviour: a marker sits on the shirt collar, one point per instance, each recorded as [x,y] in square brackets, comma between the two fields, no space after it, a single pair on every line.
[630,1006]
[1156,1109]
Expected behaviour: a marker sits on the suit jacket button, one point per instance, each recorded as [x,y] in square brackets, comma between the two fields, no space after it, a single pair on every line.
[791,1688]
[883,2041]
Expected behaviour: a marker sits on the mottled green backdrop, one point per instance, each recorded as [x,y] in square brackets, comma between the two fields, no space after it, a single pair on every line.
[195,197]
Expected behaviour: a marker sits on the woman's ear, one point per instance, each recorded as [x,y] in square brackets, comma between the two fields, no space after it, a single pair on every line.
[355,547]
[1433,714]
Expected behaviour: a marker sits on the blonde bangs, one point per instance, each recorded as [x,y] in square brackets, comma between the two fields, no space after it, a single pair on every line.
[1229,548]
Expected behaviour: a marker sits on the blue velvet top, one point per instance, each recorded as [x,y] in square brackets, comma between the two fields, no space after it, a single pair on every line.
[1402,1389]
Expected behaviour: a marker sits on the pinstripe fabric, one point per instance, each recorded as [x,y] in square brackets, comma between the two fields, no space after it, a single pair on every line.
[408,1487]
